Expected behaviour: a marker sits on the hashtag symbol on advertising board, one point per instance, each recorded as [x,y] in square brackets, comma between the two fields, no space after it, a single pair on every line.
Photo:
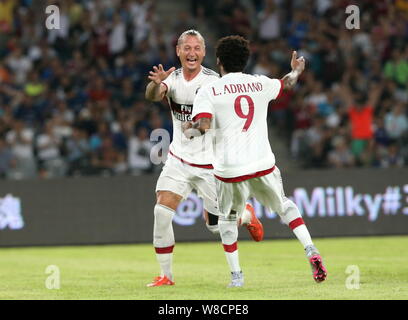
[392,200]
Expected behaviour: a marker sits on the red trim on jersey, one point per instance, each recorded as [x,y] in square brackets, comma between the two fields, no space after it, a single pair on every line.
[203,166]
[164,250]
[167,88]
[230,247]
[280,90]
[246,177]
[202,115]
[296,223]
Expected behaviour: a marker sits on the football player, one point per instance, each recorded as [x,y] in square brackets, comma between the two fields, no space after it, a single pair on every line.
[236,106]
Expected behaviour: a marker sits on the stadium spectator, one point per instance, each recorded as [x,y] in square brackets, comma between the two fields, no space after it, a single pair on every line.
[381,137]
[77,152]
[117,36]
[269,25]
[139,152]
[341,156]
[396,68]
[48,147]
[19,65]
[360,112]
[391,158]
[106,160]
[396,122]
[263,66]
[20,139]
[317,138]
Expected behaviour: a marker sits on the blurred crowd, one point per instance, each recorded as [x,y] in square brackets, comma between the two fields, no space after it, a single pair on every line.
[351,106]
[72,99]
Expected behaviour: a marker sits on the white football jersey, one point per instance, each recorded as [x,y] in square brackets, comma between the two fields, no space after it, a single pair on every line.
[238,106]
[180,96]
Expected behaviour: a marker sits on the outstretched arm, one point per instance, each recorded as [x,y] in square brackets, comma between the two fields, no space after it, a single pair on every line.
[155,90]
[298,65]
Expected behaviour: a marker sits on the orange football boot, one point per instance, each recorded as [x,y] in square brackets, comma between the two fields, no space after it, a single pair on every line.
[255,226]
[161,281]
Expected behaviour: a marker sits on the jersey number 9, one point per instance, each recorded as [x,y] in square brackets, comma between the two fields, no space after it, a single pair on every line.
[238,110]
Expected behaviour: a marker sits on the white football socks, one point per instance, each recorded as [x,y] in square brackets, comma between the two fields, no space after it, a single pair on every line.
[166,262]
[292,217]
[163,238]
[303,235]
[233,260]
[229,236]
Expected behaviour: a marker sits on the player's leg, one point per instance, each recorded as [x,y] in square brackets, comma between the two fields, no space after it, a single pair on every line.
[292,217]
[287,209]
[204,183]
[163,234]
[211,222]
[249,219]
[231,196]
[206,187]
[269,191]
[229,238]
[172,186]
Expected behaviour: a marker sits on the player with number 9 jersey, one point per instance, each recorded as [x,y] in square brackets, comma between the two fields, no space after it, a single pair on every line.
[238,105]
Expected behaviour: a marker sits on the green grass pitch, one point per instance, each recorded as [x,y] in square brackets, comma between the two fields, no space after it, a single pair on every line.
[274,269]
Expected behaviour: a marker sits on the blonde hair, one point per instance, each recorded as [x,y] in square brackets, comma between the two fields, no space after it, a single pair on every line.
[190,32]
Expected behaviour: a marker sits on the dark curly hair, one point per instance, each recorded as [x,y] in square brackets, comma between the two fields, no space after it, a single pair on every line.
[233,53]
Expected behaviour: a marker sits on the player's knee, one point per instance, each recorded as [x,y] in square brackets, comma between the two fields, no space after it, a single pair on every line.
[290,211]
[163,217]
[163,235]
[168,199]
[228,231]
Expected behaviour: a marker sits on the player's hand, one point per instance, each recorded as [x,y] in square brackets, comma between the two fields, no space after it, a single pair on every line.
[158,74]
[186,125]
[188,130]
[297,64]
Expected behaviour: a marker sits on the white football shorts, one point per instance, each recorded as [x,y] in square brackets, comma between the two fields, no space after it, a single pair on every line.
[181,178]
[268,190]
